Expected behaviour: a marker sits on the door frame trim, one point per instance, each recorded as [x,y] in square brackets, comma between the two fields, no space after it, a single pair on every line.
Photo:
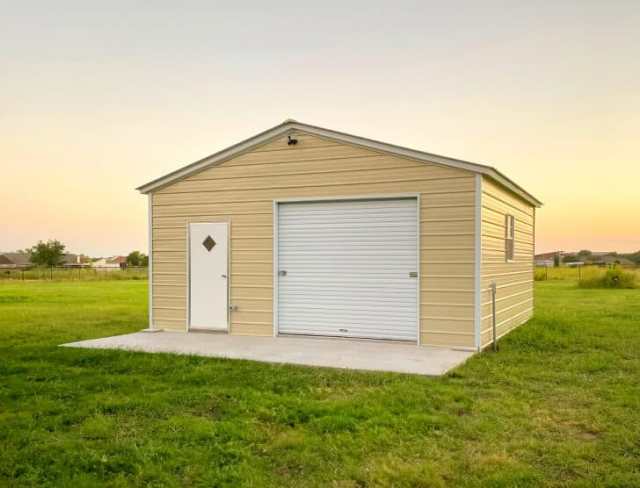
[188,266]
[390,196]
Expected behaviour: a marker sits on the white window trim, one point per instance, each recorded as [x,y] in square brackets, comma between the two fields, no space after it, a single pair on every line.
[509,236]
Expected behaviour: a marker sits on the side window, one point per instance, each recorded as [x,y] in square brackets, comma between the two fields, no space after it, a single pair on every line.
[509,237]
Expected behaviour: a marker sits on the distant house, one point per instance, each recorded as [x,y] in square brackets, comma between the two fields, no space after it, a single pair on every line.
[110,264]
[22,259]
[121,261]
[14,260]
[548,258]
[71,261]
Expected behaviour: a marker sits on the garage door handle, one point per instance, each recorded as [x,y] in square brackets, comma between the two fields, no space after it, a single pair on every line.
[282,272]
[223,276]
[413,274]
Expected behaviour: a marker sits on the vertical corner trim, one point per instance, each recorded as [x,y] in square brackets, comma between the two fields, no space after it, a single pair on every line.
[418,265]
[533,261]
[187,273]
[477,305]
[274,293]
[150,258]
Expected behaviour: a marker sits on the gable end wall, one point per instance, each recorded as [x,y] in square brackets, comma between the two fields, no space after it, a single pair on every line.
[241,191]
[514,279]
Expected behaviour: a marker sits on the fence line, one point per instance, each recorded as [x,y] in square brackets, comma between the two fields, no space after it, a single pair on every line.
[578,273]
[73,273]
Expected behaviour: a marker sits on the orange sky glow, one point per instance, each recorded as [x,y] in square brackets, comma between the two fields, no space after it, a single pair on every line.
[95,101]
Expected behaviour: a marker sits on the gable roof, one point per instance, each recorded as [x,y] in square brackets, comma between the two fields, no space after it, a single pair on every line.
[16,258]
[117,260]
[293,125]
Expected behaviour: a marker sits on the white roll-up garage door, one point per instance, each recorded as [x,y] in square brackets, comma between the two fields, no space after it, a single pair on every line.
[348,268]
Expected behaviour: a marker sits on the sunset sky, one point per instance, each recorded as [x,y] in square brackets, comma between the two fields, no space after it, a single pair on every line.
[96,100]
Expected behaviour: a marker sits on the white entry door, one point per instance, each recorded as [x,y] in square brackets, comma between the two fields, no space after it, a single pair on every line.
[348,268]
[208,276]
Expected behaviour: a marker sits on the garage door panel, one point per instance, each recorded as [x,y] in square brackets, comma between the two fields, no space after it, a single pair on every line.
[368,245]
[357,294]
[354,331]
[341,219]
[351,303]
[348,262]
[370,278]
[350,316]
[368,234]
[383,255]
[348,266]
[338,207]
[346,223]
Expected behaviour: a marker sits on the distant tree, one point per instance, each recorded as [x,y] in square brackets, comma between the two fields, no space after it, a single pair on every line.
[556,260]
[50,253]
[584,254]
[136,258]
[570,258]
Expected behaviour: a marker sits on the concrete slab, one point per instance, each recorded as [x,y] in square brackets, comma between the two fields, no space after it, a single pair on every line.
[324,352]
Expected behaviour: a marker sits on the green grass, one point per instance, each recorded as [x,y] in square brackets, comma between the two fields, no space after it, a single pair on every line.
[613,278]
[559,404]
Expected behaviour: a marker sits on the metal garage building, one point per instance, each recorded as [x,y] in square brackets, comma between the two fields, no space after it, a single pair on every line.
[309,231]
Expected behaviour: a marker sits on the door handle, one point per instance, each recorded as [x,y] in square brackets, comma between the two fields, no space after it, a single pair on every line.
[223,276]
[282,273]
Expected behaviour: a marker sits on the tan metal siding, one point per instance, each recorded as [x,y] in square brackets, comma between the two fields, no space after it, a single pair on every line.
[514,279]
[241,191]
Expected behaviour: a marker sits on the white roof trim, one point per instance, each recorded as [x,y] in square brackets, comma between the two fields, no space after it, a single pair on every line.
[290,125]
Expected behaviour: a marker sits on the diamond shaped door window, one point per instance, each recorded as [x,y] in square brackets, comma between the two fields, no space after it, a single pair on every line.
[209,243]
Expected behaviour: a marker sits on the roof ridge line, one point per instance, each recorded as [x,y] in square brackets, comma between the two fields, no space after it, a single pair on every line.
[277,130]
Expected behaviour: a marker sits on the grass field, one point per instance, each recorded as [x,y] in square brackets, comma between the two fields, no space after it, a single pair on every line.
[559,405]
[577,273]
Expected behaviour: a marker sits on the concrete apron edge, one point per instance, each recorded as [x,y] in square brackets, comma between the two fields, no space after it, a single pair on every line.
[336,354]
